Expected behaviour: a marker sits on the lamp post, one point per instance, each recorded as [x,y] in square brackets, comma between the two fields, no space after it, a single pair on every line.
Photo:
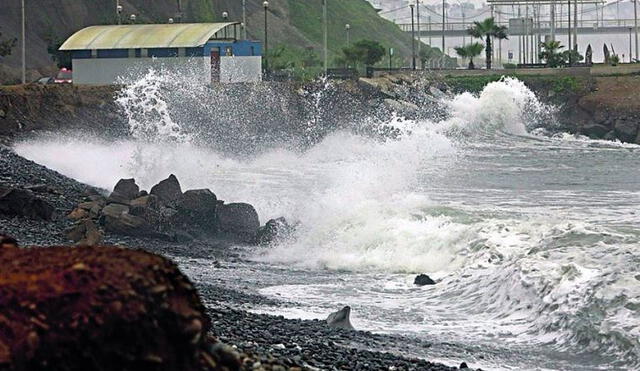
[444,9]
[119,11]
[347,28]
[635,23]
[225,17]
[266,36]
[179,14]
[24,45]
[324,21]
[244,19]
[413,39]
[418,23]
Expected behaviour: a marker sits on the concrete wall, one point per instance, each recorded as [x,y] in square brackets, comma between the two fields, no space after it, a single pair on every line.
[108,71]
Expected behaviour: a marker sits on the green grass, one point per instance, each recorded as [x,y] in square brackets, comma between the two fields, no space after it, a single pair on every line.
[365,23]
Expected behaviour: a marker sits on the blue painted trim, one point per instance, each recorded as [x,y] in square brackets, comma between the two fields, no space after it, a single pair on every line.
[162,52]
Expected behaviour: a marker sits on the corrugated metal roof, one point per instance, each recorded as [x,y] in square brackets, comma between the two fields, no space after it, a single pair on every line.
[180,35]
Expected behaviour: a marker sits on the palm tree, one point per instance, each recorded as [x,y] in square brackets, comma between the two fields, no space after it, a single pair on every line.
[551,53]
[488,29]
[470,51]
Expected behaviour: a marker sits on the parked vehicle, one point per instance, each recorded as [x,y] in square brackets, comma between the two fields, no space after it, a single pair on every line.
[45,80]
[64,76]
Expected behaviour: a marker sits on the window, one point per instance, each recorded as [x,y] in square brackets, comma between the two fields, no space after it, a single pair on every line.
[228,51]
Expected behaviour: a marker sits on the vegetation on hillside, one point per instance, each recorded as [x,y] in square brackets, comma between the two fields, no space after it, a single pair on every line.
[6,45]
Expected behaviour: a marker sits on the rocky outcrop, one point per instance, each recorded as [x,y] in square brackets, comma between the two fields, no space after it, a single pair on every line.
[423,280]
[164,213]
[23,202]
[340,319]
[168,190]
[275,230]
[102,308]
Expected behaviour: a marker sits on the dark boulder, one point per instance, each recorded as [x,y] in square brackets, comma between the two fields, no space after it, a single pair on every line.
[127,224]
[101,308]
[114,210]
[141,205]
[594,131]
[273,231]
[168,190]
[196,212]
[124,191]
[22,202]
[340,319]
[238,219]
[463,365]
[423,279]
[626,130]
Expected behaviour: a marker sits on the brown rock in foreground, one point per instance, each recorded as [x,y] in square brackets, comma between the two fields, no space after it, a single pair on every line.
[99,308]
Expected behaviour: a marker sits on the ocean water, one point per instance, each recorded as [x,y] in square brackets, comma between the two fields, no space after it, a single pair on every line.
[533,238]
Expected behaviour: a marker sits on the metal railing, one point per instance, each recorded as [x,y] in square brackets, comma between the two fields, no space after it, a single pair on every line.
[544,25]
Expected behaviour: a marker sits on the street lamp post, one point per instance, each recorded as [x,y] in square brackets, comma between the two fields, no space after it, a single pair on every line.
[443,22]
[119,11]
[266,36]
[244,19]
[24,45]
[347,28]
[635,23]
[418,23]
[413,39]
[225,17]
[324,41]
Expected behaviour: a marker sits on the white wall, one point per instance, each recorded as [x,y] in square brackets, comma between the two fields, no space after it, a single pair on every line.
[107,71]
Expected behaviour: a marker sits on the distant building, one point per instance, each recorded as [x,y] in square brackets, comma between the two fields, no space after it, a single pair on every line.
[108,54]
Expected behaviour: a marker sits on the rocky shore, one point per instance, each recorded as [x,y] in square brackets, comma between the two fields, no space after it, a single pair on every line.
[260,342]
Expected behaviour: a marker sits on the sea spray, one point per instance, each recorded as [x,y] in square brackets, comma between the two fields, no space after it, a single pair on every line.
[529,242]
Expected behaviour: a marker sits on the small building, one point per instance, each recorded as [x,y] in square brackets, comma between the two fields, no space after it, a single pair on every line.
[116,53]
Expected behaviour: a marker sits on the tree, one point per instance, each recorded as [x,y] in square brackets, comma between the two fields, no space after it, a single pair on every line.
[551,54]
[366,52]
[6,46]
[470,51]
[427,54]
[61,57]
[488,29]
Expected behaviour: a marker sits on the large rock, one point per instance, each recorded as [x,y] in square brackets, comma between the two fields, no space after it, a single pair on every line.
[21,202]
[168,190]
[128,224]
[124,191]
[626,130]
[594,131]
[115,210]
[273,231]
[101,308]
[238,219]
[422,280]
[196,212]
[340,319]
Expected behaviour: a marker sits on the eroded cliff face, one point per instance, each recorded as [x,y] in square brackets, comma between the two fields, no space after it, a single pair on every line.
[33,107]
[611,110]
[100,308]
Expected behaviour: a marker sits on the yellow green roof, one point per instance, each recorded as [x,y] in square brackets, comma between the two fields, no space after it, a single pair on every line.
[177,35]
